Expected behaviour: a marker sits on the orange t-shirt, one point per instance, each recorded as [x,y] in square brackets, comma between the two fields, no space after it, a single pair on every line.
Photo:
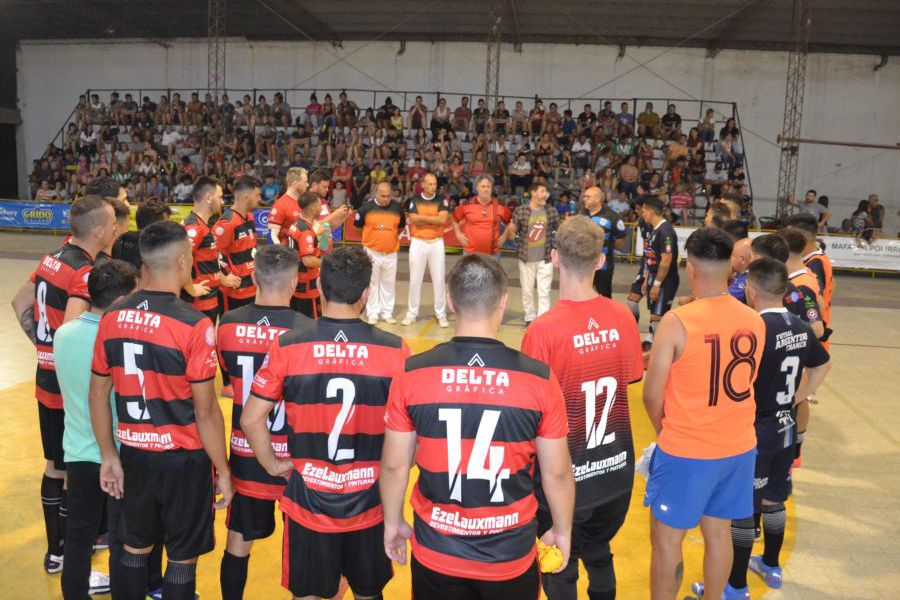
[481,224]
[708,406]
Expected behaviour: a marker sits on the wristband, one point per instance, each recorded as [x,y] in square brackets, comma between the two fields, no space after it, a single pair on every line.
[657,283]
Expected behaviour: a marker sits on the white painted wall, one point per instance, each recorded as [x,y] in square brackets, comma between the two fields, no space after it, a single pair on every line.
[845,98]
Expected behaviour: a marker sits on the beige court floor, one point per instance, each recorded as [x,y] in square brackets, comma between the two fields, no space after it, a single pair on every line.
[844,527]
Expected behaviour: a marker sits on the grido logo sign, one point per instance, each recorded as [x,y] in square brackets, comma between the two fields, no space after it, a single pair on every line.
[37,216]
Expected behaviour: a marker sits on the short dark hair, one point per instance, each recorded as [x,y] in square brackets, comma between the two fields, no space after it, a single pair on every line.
[275,265]
[203,185]
[85,214]
[105,187]
[811,191]
[795,238]
[537,183]
[476,285]
[805,222]
[770,245]
[246,183]
[160,235]
[721,214]
[120,209]
[307,199]
[127,248]
[737,229]
[654,204]
[768,275]
[111,280]
[709,244]
[317,176]
[345,274]
[151,211]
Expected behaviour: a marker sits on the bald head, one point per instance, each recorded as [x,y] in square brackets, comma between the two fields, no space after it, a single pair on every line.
[741,255]
[383,193]
[593,198]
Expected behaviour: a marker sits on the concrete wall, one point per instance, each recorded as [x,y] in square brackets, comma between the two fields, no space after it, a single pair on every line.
[845,98]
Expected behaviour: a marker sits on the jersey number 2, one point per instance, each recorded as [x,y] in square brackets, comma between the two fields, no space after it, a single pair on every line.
[348,394]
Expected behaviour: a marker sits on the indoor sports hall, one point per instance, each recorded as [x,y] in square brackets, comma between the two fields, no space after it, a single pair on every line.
[735,115]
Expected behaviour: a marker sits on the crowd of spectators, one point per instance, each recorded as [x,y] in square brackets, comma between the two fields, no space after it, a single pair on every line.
[157,148]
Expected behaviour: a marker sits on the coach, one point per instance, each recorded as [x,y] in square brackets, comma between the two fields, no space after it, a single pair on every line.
[381,221]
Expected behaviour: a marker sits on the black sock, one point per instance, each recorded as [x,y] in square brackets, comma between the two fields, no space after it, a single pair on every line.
[51,499]
[233,576]
[757,520]
[742,543]
[131,582]
[180,581]
[63,515]
[154,568]
[774,518]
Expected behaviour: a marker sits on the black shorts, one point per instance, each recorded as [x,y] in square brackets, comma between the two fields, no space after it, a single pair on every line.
[251,517]
[311,307]
[315,561]
[603,282]
[775,444]
[663,304]
[52,425]
[233,303]
[432,585]
[638,283]
[169,498]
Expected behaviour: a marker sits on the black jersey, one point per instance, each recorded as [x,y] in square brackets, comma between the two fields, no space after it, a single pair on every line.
[663,240]
[790,347]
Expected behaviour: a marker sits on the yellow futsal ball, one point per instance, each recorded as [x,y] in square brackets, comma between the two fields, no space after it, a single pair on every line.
[550,557]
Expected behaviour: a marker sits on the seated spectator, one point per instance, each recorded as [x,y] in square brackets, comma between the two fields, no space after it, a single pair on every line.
[183,192]
[746,214]
[860,219]
[876,212]
[606,119]
[44,193]
[670,124]
[628,177]
[648,122]
[271,190]
[418,114]
[620,205]
[587,119]
[707,127]
[313,112]
[680,201]
[520,174]
[624,122]
[462,116]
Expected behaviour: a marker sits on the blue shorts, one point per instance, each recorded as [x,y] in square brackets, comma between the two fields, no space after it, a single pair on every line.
[681,490]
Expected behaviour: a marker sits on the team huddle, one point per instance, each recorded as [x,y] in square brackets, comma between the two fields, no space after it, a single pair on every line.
[330,413]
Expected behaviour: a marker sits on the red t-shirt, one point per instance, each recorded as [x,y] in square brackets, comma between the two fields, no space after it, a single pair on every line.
[284,213]
[594,349]
[477,408]
[481,224]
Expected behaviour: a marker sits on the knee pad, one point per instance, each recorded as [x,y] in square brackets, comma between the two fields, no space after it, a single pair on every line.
[180,573]
[743,532]
[774,517]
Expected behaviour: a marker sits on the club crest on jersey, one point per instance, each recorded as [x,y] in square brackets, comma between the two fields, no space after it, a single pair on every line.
[595,339]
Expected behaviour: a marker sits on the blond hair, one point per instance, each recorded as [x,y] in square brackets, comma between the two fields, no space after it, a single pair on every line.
[295,174]
[579,244]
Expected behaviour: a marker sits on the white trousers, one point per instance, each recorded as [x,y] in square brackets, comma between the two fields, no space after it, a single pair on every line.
[431,254]
[541,274]
[382,284]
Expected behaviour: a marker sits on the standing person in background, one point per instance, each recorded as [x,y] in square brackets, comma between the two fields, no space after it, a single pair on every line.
[594,370]
[203,290]
[381,221]
[699,397]
[661,257]
[235,236]
[812,207]
[304,240]
[159,355]
[326,219]
[534,226]
[740,258]
[815,260]
[427,215]
[56,293]
[286,209]
[334,523]
[244,337]
[476,221]
[73,349]
[474,502]
[597,209]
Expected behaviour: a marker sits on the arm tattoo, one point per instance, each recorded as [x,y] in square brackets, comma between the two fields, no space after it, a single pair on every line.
[26,322]
[679,575]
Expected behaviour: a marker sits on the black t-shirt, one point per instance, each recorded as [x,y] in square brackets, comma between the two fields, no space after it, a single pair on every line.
[613,229]
[663,240]
[671,120]
[790,347]
[587,119]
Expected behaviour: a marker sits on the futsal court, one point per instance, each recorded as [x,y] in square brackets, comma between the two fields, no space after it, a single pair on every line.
[843,526]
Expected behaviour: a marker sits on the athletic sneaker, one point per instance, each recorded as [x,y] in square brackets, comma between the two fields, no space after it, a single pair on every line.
[389,319]
[227,391]
[729,593]
[157,595]
[407,321]
[442,321]
[98,583]
[53,563]
[371,320]
[771,575]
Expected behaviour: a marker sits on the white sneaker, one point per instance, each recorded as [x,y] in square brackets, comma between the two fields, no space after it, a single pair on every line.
[407,321]
[442,321]
[98,583]
[389,319]
[371,320]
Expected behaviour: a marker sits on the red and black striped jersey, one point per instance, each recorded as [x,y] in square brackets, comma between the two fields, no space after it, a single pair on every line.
[236,241]
[206,261]
[594,349]
[60,275]
[303,238]
[154,346]
[244,337]
[477,408]
[334,377]
[284,213]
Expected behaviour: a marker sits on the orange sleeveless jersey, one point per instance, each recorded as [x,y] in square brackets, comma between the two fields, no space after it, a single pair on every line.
[709,406]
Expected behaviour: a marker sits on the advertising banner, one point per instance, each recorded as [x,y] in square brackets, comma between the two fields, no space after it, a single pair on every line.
[24,214]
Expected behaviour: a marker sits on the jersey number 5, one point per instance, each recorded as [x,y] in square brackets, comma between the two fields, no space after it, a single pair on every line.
[137,409]
[738,357]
